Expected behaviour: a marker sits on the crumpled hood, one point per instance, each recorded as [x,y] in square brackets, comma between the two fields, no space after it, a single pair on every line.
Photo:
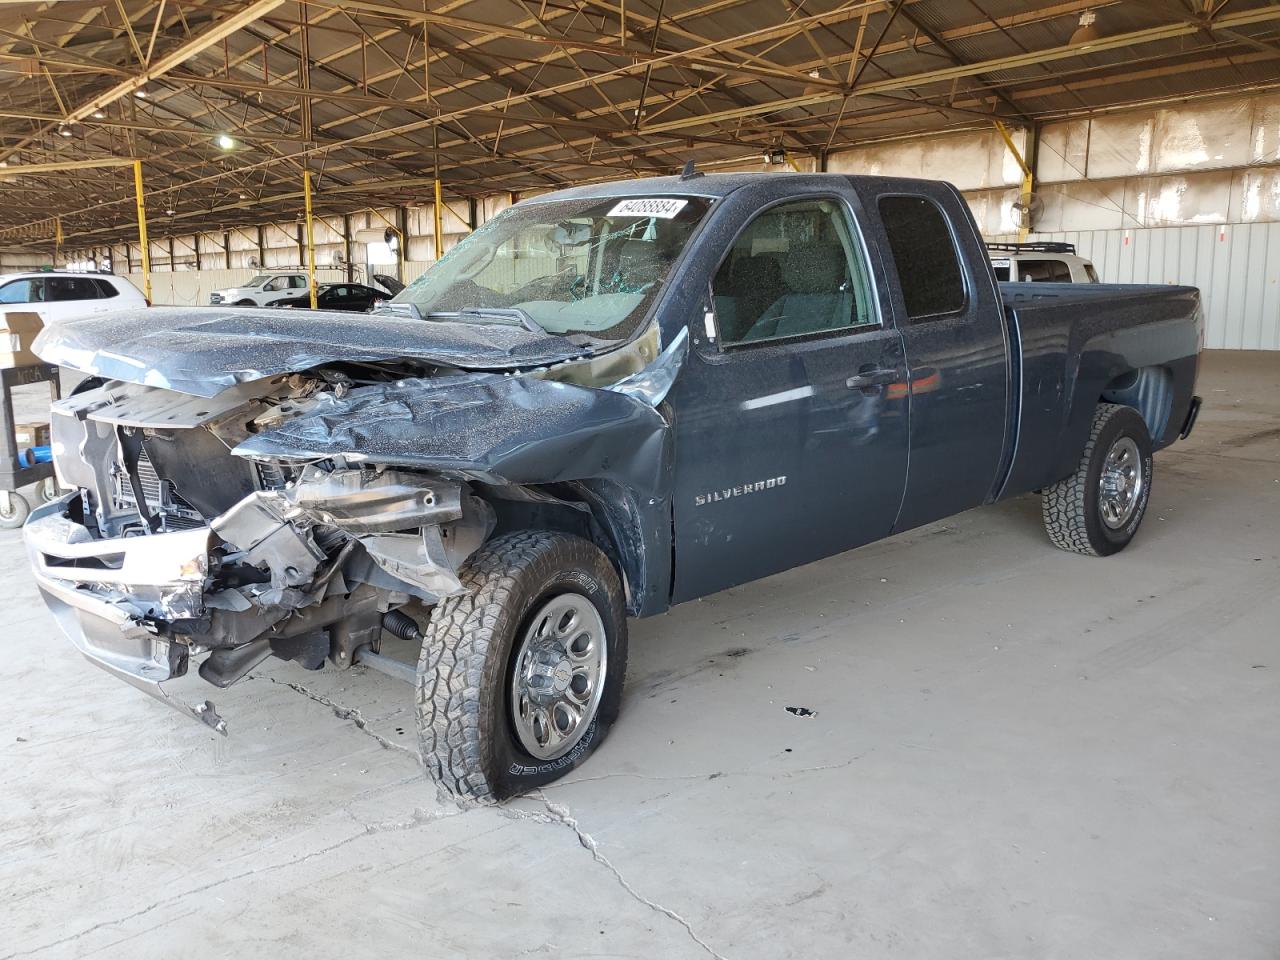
[204,350]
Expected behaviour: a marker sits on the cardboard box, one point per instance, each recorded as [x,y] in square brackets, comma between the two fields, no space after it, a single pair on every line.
[31,435]
[18,331]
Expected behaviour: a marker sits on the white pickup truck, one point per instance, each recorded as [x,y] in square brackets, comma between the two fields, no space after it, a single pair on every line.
[267,289]
[262,290]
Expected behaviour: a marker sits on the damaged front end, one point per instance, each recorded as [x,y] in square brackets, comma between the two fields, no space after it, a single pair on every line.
[294,515]
[172,549]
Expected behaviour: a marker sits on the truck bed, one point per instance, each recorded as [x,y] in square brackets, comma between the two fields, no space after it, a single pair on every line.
[1073,344]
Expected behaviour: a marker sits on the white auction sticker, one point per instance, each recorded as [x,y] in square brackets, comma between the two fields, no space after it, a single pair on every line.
[648,207]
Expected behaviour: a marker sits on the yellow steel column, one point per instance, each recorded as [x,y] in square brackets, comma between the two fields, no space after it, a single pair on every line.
[311,243]
[439,223]
[142,230]
[1028,181]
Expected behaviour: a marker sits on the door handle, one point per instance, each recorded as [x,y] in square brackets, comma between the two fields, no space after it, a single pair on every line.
[872,378]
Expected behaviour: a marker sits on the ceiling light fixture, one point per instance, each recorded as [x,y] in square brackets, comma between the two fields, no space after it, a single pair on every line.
[98,114]
[1086,34]
[65,131]
[140,94]
[225,142]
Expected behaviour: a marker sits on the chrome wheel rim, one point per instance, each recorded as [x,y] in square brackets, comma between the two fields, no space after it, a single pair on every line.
[1120,484]
[558,676]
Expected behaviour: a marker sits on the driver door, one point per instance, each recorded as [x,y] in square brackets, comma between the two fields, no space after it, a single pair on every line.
[791,429]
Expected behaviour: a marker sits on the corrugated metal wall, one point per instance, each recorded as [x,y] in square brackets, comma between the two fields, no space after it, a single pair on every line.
[1236,267]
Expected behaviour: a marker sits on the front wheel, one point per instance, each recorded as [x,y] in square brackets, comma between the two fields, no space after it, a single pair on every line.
[1098,509]
[521,677]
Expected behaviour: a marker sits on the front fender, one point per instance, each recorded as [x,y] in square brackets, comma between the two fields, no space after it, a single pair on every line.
[501,429]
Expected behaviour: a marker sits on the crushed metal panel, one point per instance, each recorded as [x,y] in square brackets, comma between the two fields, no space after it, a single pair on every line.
[262,526]
[225,347]
[367,501]
[484,426]
[419,559]
[134,405]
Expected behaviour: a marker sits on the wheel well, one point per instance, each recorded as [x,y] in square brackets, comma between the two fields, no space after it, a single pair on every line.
[567,508]
[1149,390]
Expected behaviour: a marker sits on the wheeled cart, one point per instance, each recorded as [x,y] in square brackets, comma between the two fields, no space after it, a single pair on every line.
[14,475]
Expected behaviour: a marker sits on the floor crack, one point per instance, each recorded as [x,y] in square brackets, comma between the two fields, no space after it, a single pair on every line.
[557,813]
[342,713]
[419,817]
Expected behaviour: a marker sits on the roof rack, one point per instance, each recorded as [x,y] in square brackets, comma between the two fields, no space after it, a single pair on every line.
[1037,247]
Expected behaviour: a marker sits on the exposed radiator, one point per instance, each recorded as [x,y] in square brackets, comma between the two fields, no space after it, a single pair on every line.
[163,500]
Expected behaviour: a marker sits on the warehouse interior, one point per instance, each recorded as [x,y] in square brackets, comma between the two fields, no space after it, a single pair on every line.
[956,741]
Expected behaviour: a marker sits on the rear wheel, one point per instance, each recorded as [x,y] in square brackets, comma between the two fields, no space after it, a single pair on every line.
[1098,509]
[244,303]
[521,677]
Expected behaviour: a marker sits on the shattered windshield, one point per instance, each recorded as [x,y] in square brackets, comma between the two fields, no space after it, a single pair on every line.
[564,267]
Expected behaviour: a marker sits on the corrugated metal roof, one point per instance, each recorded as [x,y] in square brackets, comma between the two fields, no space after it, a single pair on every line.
[512,95]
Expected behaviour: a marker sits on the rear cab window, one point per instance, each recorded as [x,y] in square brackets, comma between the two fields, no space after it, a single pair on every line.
[924,251]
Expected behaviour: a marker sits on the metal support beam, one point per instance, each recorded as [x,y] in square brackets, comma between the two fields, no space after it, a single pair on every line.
[437,220]
[346,246]
[27,169]
[142,229]
[311,240]
[402,229]
[1028,178]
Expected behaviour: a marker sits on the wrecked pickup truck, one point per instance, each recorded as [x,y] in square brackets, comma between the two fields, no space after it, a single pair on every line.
[605,401]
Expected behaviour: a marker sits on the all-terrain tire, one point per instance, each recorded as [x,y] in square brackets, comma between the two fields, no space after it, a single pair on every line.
[1072,512]
[469,743]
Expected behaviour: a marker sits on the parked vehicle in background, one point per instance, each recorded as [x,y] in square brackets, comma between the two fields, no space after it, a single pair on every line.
[57,296]
[338,296]
[387,282]
[1040,263]
[270,289]
[262,291]
[605,401]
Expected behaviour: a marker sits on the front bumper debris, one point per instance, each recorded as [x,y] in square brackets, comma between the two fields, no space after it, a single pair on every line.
[105,593]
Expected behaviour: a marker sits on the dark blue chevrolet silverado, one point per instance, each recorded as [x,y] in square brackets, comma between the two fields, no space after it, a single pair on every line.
[605,401]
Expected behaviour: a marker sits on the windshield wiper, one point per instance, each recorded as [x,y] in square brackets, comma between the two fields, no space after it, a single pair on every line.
[404,306]
[505,315]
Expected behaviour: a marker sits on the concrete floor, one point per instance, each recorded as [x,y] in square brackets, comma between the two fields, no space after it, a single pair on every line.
[1016,752]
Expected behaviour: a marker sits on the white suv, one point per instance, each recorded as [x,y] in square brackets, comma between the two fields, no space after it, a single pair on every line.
[262,290]
[58,296]
[1040,263]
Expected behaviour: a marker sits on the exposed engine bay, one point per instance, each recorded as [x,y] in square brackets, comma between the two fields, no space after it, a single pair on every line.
[297,514]
[269,541]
